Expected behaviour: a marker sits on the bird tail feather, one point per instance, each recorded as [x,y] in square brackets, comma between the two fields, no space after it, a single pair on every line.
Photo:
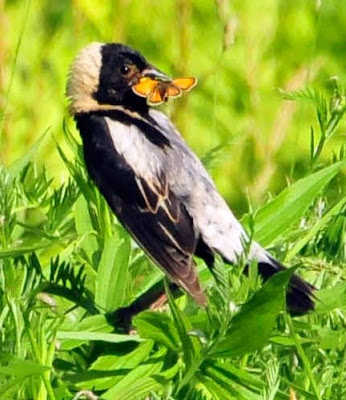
[300,294]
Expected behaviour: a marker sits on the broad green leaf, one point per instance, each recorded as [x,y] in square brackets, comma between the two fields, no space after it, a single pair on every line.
[275,217]
[330,339]
[239,382]
[252,326]
[136,387]
[125,361]
[331,298]
[219,377]
[158,327]
[112,274]
[98,336]
[94,323]
[21,250]
[107,370]
[139,382]
[22,368]
[229,371]
[288,341]
[223,391]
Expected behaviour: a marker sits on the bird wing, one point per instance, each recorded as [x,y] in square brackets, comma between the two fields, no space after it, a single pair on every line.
[146,206]
[164,230]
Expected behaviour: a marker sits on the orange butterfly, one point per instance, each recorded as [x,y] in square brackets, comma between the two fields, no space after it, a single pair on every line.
[157,91]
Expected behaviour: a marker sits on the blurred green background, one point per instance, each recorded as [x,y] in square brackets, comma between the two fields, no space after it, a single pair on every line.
[242,51]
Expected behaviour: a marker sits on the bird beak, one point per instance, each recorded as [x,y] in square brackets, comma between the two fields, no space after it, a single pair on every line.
[152,72]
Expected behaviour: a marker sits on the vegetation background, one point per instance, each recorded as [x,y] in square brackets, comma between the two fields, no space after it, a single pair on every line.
[58,238]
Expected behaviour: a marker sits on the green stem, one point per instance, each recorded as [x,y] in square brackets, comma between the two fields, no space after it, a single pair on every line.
[18,331]
[303,357]
[36,352]
[342,369]
[325,136]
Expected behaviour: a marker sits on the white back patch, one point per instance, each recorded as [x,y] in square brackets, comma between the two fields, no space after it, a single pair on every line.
[143,156]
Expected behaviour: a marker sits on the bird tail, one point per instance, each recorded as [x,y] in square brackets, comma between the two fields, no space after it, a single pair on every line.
[300,294]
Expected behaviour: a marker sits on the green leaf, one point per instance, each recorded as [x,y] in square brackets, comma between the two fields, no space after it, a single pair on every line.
[331,298]
[98,336]
[77,171]
[8,391]
[330,339]
[319,225]
[85,228]
[229,371]
[94,323]
[306,95]
[22,368]
[28,156]
[21,250]
[221,388]
[288,341]
[139,382]
[252,326]
[112,275]
[275,217]
[190,345]
[158,327]
[108,370]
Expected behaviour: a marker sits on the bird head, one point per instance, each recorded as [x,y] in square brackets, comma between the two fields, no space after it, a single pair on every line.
[102,76]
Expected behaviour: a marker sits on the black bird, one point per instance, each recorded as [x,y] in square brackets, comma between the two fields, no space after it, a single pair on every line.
[151,179]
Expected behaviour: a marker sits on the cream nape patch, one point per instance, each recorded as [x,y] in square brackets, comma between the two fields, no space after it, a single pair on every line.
[83,79]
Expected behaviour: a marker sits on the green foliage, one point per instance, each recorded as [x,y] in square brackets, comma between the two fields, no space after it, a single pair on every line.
[67,266]
[256,319]
[290,205]
[113,277]
[328,116]
[62,292]
[239,51]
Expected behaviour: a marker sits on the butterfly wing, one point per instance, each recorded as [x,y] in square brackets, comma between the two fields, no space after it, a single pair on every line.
[172,90]
[158,94]
[145,87]
[185,84]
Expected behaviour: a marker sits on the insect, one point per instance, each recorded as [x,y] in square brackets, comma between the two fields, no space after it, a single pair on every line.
[158,91]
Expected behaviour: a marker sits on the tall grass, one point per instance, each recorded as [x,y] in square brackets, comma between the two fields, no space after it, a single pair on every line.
[240,52]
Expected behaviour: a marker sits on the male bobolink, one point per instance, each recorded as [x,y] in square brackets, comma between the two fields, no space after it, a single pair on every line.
[154,183]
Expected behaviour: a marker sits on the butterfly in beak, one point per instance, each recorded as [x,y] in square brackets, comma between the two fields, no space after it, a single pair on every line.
[158,91]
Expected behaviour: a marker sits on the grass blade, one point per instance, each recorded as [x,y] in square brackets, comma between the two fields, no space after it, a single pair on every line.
[274,218]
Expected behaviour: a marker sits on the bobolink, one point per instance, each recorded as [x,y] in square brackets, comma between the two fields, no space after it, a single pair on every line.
[153,182]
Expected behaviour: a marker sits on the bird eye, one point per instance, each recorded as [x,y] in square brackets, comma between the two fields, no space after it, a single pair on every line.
[125,69]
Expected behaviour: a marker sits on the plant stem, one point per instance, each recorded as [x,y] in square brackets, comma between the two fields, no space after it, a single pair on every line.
[303,356]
